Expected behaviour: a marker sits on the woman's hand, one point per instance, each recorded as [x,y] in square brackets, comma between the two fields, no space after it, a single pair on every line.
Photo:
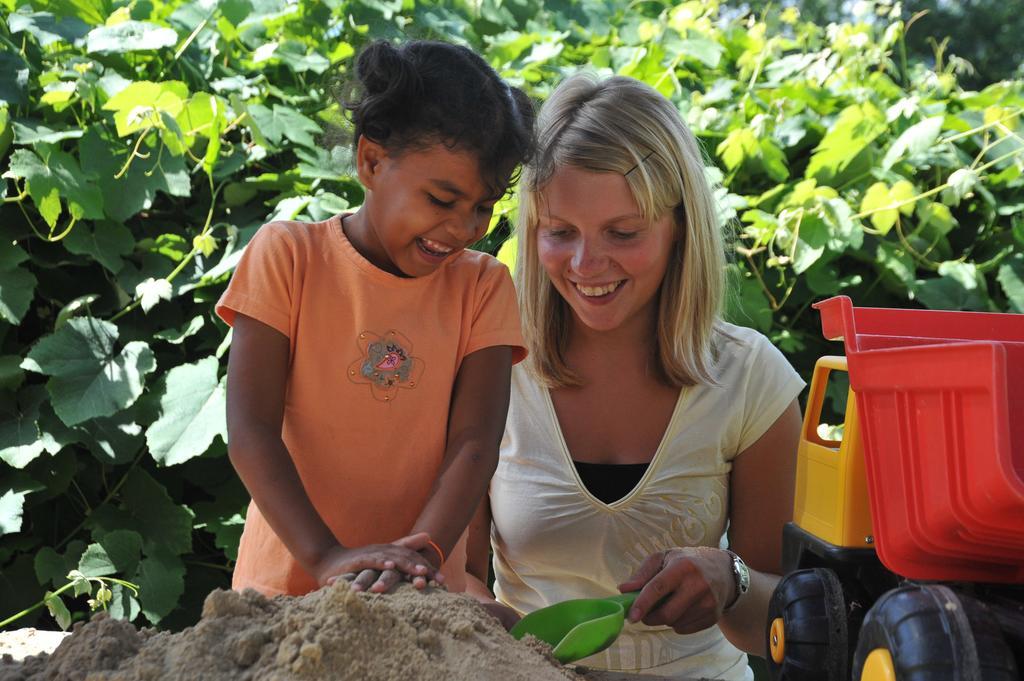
[378,567]
[684,588]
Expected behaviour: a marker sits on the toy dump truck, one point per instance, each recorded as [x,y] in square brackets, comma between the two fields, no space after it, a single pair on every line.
[905,558]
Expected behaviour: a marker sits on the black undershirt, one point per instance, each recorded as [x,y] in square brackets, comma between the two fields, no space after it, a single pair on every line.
[609,482]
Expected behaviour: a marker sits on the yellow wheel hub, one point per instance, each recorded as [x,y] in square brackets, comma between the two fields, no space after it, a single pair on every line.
[777,640]
[878,666]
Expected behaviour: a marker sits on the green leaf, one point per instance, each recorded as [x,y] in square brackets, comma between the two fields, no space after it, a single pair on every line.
[88,378]
[201,114]
[173,246]
[95,562]
[116,553]
[225,526]
[130,36]
[739,145]
[236,11]
[54,175]
[192,413]
[959,286]
[11,505]
[123,604]
[961,182]
[284,122]
[46,28]
[296,56]
[811,241]
[885,203]
[52,568]
[137,189]
[161,581]
[1011,278]
[81,583]
[508,252]
[844,230]
[791,131]
[205,244]
[107,242]
[916,139]
[152,291]
[54,434]
[11,375]
[935,218]
[178,336]
[20,439]
[77,306]
[707,52]
[164,525]
[33,132]
[17,289]
[58,610]
[747,305]
[6,133]
[139,105]
[334,165]
[13,79]
[113,439]
[892,262]
[11,255]
[171,134]
[773,160]
[92,12]
[212,154]
[27,429]
[857,126]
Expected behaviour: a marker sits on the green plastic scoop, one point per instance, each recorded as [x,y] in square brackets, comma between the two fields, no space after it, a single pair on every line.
[578,628]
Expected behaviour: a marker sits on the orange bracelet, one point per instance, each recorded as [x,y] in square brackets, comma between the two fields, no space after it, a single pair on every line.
[440,553]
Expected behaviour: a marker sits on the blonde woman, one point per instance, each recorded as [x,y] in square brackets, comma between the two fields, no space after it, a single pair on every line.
[643,427]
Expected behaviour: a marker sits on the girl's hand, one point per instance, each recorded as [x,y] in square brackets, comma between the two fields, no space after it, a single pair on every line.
[684,588]
[378,567]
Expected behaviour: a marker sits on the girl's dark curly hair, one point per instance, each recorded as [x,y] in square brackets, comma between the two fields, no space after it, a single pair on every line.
[420,93]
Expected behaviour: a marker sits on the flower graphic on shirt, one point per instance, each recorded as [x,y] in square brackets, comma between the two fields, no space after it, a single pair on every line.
[386,364]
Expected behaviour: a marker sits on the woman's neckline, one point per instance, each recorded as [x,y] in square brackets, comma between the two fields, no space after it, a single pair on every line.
[570,464]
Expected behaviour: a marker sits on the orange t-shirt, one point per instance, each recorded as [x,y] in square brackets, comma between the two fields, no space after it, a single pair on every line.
[373,360]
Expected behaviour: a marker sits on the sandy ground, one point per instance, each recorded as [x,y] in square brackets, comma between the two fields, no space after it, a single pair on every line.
[21,643]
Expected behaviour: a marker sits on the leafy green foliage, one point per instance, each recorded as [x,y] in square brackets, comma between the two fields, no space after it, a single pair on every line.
[142,145]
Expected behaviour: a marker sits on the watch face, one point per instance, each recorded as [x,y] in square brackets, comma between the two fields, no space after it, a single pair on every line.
[742,574]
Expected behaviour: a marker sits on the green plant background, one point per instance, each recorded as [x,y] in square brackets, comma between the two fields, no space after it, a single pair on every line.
[142,143]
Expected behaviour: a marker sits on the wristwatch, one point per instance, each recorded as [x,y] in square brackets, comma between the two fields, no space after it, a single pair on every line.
[741,574]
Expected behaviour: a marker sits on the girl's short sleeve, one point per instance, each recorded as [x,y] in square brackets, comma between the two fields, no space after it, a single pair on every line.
[496,314]
[772,384]
[261,285]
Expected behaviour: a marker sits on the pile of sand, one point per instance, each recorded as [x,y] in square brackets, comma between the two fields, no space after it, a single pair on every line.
[334,633]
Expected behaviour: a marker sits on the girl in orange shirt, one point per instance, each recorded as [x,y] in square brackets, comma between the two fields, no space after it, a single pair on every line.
[368,380]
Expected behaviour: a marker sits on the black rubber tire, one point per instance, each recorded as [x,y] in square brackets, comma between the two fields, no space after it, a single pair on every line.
[813,611]
[935,634]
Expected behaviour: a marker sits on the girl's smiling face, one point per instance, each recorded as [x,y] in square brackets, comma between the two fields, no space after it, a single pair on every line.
[602,256]
[422,207]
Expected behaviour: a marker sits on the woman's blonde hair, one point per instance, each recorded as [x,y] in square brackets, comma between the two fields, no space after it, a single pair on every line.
[620,125]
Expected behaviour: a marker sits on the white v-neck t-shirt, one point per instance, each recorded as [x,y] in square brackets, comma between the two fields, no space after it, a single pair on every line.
[555,541]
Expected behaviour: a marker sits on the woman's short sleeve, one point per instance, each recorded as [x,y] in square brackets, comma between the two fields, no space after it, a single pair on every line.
[261,285]
[772,384]
[496,314]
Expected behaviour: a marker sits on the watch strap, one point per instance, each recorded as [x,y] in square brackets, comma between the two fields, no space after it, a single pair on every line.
[741,575]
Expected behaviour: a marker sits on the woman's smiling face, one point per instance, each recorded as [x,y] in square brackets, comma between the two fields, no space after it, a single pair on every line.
[602,256]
